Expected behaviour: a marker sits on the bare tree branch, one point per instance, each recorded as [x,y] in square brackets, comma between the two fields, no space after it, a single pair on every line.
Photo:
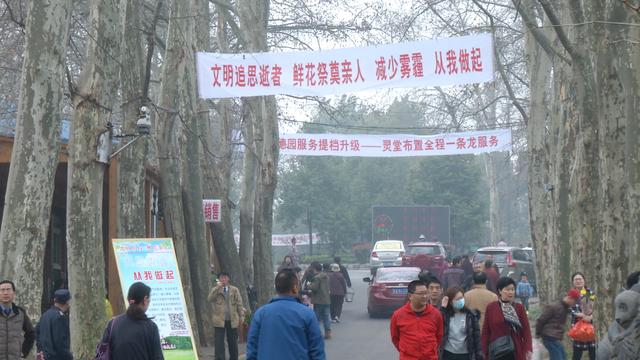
[562,36]
[501,70]
[540,37]
[151,36]
[628,4]
[19,22]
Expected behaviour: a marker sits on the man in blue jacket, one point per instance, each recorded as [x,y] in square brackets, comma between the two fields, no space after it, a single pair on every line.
[52,332]
[275,327]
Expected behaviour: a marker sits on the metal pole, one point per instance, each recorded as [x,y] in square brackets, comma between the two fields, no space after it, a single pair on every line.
[310,232]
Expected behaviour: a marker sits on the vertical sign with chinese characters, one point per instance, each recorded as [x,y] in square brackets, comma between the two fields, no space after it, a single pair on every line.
[211,210]
[153,262]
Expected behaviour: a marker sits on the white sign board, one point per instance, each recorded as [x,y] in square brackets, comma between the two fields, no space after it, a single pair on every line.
[395,145]
[439,62]
[211,209]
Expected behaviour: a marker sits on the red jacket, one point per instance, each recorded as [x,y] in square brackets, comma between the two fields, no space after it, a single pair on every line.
[417,337]
[496,326]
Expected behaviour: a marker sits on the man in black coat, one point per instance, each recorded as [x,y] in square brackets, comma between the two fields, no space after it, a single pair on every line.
[343,270]
[52,332]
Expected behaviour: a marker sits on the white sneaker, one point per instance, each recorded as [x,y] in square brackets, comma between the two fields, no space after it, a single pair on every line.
[337,319]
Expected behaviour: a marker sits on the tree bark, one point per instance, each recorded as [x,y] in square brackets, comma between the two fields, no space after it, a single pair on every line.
[262,260]
[247,204]
[254,17]
[199,125]
[31,180]
[590,152]
[85,247]
[218,174]
[131,161]
[177,105]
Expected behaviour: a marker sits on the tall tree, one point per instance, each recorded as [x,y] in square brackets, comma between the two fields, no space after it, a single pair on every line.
[27,207]
[587,159]
[93,100]
[131,165]
[177,108]
[254,18]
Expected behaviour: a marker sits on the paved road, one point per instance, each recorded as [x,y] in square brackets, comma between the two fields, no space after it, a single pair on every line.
[357,337]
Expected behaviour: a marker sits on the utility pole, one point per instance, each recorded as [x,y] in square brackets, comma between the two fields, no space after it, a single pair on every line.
[310,232]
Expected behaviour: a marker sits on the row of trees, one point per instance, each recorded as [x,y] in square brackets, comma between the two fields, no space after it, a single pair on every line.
[339,192]
[96,62]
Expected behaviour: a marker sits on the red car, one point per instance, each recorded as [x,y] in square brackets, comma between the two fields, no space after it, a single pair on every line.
[388,289]
[427,256]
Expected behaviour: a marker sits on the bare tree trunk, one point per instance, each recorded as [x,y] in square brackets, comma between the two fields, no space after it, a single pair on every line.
[200,125]
[591,150]
[177,104]
[262,260]
[27,207]
[131,161]
[254,17]
[218,170]
[247,204]
[85,247]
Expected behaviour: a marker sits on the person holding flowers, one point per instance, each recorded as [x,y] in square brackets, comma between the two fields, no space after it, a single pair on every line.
[583,310]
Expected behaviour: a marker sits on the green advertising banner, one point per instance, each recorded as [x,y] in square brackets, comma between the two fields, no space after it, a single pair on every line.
[153,262]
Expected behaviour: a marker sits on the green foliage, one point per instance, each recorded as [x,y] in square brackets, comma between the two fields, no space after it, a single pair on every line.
[178,354]
[181,342]
[339,192]
[456,181]
[326,259]
[362,256]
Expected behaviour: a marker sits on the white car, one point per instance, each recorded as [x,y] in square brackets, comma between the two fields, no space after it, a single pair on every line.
[387,253]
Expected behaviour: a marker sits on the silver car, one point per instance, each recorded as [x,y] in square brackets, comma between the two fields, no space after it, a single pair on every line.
[387,253]
[511,261]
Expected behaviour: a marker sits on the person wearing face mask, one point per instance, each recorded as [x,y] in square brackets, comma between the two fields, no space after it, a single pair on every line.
[461,340]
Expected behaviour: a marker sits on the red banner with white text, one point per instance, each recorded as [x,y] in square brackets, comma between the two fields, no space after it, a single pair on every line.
[439,62]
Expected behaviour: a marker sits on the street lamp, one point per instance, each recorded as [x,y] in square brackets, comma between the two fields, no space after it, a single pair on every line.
[143,127]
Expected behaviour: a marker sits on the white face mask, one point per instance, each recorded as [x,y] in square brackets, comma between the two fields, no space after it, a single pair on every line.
[458,304]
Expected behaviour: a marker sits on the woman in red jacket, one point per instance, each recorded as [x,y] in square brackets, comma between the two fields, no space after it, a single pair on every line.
[506,318]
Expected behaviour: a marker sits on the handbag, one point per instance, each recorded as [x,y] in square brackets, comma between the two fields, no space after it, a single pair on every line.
[349,296]
[502,348]
[103,350]
[582,331]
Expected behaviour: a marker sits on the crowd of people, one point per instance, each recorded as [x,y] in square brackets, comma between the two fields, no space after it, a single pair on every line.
[487,317]
[473,323]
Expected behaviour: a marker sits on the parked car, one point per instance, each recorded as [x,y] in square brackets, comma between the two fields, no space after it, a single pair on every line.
[430,256]
[511,261]
[386,253]
[388,289]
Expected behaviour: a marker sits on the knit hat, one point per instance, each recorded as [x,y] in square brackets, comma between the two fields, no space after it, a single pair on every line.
[574,294]
[335,267]
[61,296]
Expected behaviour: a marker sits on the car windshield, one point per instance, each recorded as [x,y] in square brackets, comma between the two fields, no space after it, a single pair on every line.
[397,275]
[427,250]
[388,245]
[497,257]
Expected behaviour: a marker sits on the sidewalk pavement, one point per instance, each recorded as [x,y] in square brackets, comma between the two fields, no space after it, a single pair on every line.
[207,353]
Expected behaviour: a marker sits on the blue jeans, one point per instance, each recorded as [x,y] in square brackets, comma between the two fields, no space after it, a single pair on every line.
[525,302]
[323,314]
[555,348]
